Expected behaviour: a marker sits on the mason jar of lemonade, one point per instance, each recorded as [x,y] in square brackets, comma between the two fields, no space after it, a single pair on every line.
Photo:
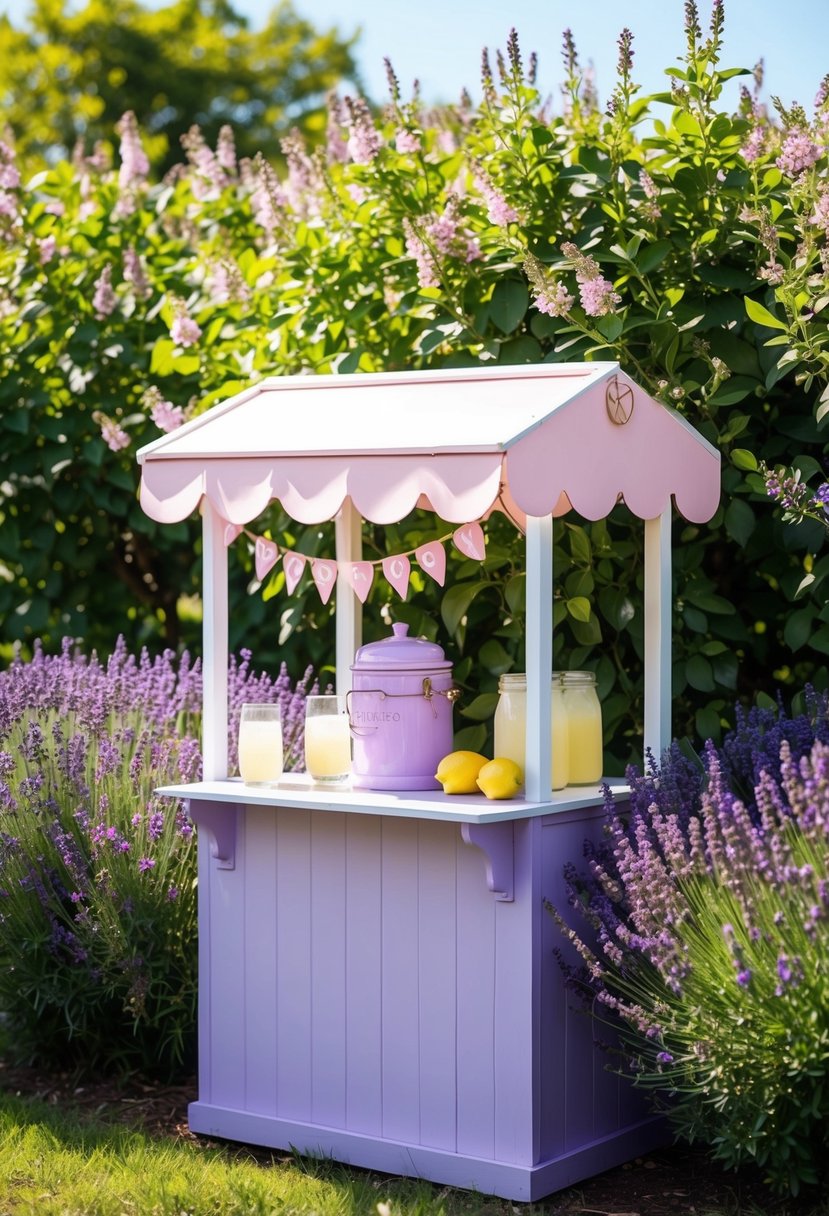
[511,725]
[584,725]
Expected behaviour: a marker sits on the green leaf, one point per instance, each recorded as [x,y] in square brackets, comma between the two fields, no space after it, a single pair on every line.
[470,738]
[509,304]
[481,708]
[161,361]
[707,722]
[494,658]
[455,603]
[739,521]
[798,628]
[610,327]
[579,608]
[652,255]
[579,545]
[761,315]
[699,674]
[743,459]
[515,593]
[702,598]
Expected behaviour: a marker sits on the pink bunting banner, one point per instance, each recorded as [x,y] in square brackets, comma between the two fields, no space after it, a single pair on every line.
[432,559]
[324,574]
[293,564]
[396,571]
[360,576]
[265,555]
[470,541]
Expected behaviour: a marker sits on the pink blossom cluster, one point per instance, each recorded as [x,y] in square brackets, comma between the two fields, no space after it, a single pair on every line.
[134,164]
[595,292]
[9,181]
[440,236]
[798,153]
[755,145]
[550,296]
[407,141]
[134,274]
[209,177]
[820,215]
[184,330]
[268,198]
[335,142]
[104,300]
[113,435]
[364,142]
[498,210]
[165,415]
[303,176]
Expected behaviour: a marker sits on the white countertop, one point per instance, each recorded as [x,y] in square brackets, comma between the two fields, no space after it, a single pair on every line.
[299,790]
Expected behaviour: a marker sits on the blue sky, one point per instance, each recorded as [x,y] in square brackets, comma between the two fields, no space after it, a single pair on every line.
[440,41]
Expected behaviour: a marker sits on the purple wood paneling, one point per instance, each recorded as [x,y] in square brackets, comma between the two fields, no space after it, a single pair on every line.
[363,978]
[258,1000]
[227,980]
[437,979]
[515,1012]
[293,956]
[475,1005]
[400,966]
[204,899]
[328,952]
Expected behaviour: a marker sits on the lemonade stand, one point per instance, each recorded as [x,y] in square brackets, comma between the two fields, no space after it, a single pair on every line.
[376,969]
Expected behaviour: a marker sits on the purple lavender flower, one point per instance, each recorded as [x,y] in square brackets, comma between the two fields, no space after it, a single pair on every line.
[145,864]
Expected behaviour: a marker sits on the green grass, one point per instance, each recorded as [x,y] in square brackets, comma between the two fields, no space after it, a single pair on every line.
[55,1163]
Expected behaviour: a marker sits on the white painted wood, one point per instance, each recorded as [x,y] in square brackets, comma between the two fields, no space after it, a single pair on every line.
[539,647]
[348,534]
[214,644]
[298,790]
[658,613]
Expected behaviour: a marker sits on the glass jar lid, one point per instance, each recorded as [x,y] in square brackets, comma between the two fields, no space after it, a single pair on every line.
[400,651]
[578,679]
[516,681]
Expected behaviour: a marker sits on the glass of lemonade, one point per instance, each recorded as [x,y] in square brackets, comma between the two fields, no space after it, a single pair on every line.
[327,738]
[260,743]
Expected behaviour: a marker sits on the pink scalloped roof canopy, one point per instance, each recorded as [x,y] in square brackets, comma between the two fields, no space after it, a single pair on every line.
[530,440]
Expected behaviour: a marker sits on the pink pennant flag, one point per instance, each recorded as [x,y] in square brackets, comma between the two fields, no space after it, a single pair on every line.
[432,559]
[265,554]
[396,570]
[293,564]
[470,540]
[324,575]
[231,532]
[359,575]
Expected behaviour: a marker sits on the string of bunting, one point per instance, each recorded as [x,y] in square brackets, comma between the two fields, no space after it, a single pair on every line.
[431,557]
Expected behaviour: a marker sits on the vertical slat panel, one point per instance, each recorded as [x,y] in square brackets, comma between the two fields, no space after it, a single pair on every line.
[259,947]
[539,664]
[554,1000]
[364,1081]
[658,628]
[475,999]
[227,977]
[293,955]
[214,644]
[328,950]
[515,1012]
[205,977]
[437,844]
[401,1071]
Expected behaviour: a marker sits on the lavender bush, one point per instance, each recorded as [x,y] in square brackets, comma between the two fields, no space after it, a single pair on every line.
[97,874]
[711,951]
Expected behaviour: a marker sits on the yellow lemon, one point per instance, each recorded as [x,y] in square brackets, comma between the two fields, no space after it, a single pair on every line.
[458,771]
[500,778]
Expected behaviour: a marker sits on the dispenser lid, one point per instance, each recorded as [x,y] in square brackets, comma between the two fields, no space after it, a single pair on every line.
[400,651]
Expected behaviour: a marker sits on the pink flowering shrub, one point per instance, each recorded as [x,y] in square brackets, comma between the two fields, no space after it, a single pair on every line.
[98,940]
[687,242]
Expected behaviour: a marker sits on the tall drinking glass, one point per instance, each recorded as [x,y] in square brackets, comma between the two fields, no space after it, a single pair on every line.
[327,739]
[260,743]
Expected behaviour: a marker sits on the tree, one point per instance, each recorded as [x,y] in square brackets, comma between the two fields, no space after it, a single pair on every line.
[70,76]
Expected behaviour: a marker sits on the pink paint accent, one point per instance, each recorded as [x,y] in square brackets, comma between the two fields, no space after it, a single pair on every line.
[360,576]
[432,560]
[293,564]
[470,541]
[397,571]
[231,532]
[324,574]
[265,555]
[555,444]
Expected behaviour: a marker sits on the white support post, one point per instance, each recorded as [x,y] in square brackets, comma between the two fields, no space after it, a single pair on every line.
[348,620]
[658,627]
[214,644]
[539,647]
